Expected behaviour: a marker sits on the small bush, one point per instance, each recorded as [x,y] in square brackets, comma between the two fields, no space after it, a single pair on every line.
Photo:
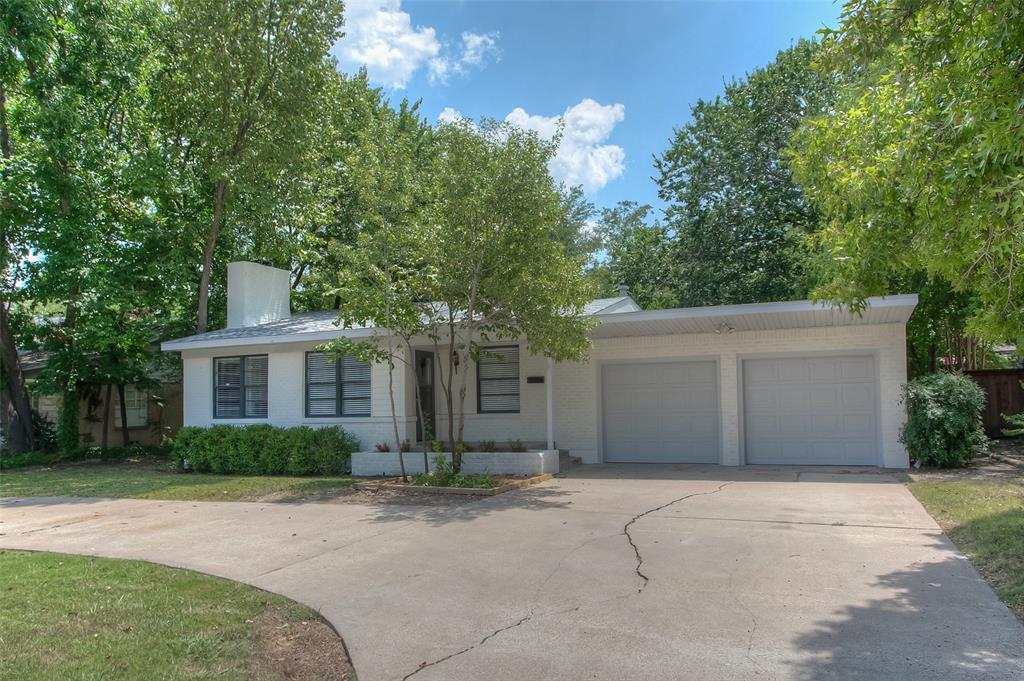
[943,419]
[444,476]
[264,450]
[486,446]
[516,446]
[383,447]
[405,446]
[436,446]
[1015,420]
[10,460]
[45,432]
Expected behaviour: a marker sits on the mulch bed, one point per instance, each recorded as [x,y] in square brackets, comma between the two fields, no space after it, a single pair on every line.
[503,483]
[300,651]
[1005,459]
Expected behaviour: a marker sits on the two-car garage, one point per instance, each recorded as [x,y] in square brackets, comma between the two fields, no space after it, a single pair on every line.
[818,409]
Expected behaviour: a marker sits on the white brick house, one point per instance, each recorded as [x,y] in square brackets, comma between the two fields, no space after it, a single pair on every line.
[770,383]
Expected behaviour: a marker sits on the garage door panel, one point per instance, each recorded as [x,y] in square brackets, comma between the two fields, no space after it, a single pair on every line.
[661,412]
[820,410]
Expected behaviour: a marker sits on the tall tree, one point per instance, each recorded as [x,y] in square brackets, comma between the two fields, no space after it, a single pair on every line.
[736,214]
[80,155]
[238,95]
[639,255]
[920,167]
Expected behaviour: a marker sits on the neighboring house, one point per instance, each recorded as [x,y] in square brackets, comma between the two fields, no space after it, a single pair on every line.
[151,413]
[770,383]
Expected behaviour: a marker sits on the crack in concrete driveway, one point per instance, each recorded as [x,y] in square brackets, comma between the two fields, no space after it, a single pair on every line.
[636,549]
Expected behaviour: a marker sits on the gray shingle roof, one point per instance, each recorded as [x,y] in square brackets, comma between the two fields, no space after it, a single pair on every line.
[316,326]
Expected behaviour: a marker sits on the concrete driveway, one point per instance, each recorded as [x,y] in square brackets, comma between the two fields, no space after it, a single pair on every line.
[613,572]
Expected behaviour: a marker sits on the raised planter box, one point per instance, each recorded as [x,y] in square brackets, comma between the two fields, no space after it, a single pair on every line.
[469,491]
[533,462]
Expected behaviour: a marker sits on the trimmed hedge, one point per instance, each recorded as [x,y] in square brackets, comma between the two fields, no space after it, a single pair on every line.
[943,419]
[264,450]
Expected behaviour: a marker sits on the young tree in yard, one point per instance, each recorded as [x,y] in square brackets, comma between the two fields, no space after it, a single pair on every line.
[921,166]
[500,271]
[737,217]
[238,96]
[385,273]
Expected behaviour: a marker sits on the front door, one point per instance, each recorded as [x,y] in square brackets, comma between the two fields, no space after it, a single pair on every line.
[425,385]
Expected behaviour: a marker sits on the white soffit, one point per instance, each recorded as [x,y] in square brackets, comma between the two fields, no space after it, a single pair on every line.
[753,317]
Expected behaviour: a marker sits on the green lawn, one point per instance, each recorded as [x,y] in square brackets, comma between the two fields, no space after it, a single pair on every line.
[149,479]
[985,519]
[73,617]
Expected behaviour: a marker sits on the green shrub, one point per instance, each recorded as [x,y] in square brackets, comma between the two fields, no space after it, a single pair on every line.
[486,446]
[264,450]
[1015,420]
[516,446]
[10,460]
[444,476]
[45,432]
[943,419]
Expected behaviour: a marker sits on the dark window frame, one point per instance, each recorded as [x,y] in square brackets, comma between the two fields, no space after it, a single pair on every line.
[241,387]
[519,380]
[339,386]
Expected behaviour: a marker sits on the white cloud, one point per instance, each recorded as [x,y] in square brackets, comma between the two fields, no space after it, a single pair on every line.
[449,115]
[582,158]
[380,36]
[474,52]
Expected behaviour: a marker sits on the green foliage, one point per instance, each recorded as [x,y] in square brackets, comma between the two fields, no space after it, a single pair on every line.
[1016,420]
[735,215]
[264,450]
[49,458]
[67,422]
[943,425]
[486,446]
[45,432]
[516,446]
[436,446]
[920,166]
[640,255]
[444,475]
[382,447]
[10,460]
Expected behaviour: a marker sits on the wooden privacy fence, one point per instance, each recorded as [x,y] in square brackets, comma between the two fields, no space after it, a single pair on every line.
[1005,396]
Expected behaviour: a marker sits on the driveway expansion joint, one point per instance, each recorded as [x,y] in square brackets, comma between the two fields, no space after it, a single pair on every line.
[636,549]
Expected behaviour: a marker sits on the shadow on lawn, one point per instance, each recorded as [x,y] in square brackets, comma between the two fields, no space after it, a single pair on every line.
[888,638]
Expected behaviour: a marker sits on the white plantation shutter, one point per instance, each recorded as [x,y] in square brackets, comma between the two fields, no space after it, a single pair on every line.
[321,385]
[240,390]
[227,395]
[336,387]
[255,386]
[498,380]
[355,387]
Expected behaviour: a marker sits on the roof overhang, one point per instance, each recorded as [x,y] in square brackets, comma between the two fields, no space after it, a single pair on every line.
[725,319]
[317,336]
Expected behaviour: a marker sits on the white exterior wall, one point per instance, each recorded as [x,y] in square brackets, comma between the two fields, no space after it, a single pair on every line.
[286,394]
[577,409]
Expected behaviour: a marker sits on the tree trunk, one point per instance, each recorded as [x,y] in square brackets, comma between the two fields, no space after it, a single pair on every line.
[124,415]
[21,435]
[394,416]
[202,311]
[105,437]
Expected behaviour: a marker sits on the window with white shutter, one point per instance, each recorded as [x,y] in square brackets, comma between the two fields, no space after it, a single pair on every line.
[497,380]
[240,387]
[336,386]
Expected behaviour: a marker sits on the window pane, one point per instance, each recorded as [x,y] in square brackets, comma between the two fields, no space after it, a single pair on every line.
[354,370]
[229,371]
[498,380]
[323,407]
[136,406]
[495,403]
[228,402]
[356,407]
[256,370]
[319,368]
[256,401]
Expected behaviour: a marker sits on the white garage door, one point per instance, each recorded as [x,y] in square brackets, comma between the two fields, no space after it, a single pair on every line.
[820,410]
[661,412]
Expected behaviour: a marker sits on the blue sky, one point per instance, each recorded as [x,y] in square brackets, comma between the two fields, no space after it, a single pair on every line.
[622,75]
